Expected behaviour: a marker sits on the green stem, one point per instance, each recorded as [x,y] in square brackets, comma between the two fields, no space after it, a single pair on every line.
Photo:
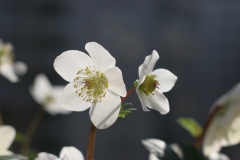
[1,119]
[31,129]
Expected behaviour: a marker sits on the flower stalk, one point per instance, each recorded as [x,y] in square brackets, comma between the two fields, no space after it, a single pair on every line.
[1,119]
[31,129]
[199,139]
[93,131]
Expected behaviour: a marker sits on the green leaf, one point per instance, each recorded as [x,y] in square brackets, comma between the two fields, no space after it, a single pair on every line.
[191,125]
[191,153]
[19,137]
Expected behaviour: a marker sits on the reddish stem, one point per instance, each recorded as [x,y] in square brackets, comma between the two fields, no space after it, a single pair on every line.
[199,139]
[93,132]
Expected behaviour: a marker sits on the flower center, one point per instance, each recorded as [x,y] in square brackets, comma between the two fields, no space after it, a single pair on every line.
[6,55]
[149,85]
[95,84]
[48,99]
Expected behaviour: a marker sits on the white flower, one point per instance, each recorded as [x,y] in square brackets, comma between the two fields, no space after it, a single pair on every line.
[47,95]
[67,153]
[152,84]
[157,147]
[7,135]
[224,129]
[8,68]
[94,82]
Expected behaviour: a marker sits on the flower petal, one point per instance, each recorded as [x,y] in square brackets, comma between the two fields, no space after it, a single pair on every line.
[71,101]
[20,68]
[41,88]
[105,113]
[115,81]
[147,66]
[7,135]
[7,71]
[165,78]
[218,156]
[70,62]
[71,153]
[142,98]
[100,56]
[158,102]
[46,156]
[153,157]
[54,107]
[155,146]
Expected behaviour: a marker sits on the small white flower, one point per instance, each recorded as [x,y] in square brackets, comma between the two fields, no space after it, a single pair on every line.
[152,84]
[218,156]
[7,135]
[95,82]
[8,68]
[67,153]
[224,129]
[157,147]
[47,95]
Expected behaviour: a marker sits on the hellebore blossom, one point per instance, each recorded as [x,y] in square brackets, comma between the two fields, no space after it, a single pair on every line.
[159,148]
[7,135]
[47,95]
[95,82]
[8,68]
[67,153]
[224,128]
[152,84]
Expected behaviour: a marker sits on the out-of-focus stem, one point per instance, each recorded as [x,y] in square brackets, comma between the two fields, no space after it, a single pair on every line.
[31,129]
[1,119]
[199,139]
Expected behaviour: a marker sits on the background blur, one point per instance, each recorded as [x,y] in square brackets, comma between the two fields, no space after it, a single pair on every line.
[197,40]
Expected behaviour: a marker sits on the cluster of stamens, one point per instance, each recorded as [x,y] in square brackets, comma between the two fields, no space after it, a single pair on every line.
[6,55]
[95,84]
[149,85]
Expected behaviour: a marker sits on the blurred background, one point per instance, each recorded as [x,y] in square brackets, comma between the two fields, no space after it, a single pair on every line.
[197,40]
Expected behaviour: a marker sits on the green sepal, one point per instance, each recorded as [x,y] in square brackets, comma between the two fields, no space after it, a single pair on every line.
[125,111]
[191,125]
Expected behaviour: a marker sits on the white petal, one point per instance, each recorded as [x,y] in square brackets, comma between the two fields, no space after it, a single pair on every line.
[71,153]
[105,113]
[158,102]
[20,68]
[100,56]
[70,62]
[71,101]
[54,107]
[142,98]
[147,66]
[115,81]
[155,146]
[46,156]
[176,148]
[218,156]
[7,71]
[153,157]
[41,88]
[5,153]
[7,135]
[165,78]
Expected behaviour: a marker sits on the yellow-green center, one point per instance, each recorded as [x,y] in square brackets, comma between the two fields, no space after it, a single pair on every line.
[95,84]
[149,85]
[6,55]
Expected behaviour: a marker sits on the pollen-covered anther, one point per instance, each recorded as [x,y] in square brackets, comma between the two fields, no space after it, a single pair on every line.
[149,85]
[92,85]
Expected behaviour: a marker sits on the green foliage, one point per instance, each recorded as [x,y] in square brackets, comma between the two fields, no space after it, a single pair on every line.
[191,125]
[125,111]
[19,137]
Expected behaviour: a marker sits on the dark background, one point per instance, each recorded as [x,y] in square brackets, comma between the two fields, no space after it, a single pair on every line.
[197,40]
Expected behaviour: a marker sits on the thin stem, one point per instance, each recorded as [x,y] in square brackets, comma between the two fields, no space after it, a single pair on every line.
[128,94]
[1,119]
[91,142]
[31,129]
[199,140]
[93,131]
